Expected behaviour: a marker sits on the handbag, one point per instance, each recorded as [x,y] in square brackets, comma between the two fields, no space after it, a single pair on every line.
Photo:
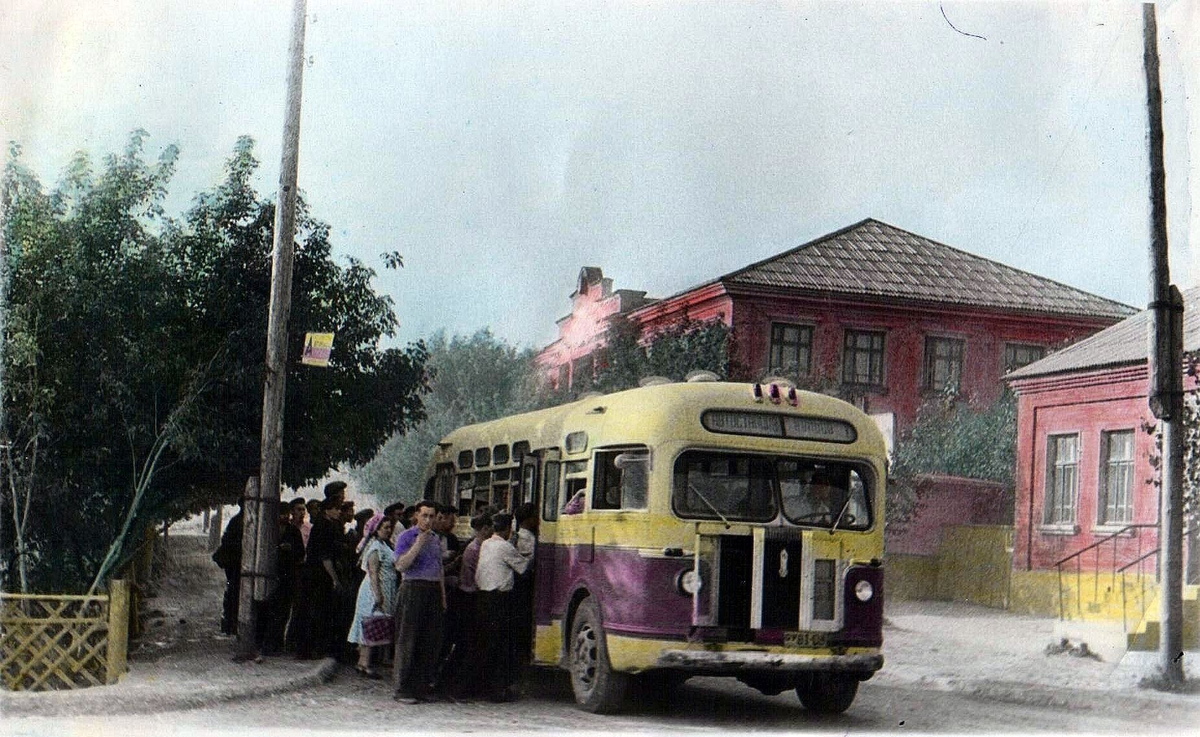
[377,629]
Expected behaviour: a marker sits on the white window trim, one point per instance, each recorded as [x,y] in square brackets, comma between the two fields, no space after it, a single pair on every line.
[1059,528]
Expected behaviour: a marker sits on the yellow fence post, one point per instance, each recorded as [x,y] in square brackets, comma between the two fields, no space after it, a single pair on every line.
[118,628]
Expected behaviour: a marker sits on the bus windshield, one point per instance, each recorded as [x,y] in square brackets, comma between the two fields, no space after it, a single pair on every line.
[753,488]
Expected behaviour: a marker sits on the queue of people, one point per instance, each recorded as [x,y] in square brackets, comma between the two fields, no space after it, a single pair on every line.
[455,620]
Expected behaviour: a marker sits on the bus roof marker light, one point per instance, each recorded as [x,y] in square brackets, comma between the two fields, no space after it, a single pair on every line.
[757,393]
[773,393]
[792,398]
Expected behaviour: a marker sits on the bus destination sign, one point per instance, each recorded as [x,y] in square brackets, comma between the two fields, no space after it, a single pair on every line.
[771,425]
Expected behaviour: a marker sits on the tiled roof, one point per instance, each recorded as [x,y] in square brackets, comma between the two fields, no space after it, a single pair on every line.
[1124,343]
[874,258]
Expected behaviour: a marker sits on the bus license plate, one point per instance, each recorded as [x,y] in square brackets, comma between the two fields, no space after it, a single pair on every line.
[805,639]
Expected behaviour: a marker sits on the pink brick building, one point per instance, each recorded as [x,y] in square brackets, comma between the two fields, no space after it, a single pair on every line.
[882,314]
[1084,469]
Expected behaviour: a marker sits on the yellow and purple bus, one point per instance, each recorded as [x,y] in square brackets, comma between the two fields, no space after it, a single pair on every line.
[692,528]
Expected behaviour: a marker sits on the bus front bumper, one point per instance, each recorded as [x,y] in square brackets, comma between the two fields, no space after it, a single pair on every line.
[746,660]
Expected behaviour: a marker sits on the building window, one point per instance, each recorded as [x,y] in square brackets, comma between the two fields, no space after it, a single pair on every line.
[862,359]
[1062,464]
[791,349]
[561,379]
[1116,477]
[943,363]
[1017,355]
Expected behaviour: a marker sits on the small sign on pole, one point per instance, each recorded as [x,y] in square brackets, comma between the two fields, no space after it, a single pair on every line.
[316,349]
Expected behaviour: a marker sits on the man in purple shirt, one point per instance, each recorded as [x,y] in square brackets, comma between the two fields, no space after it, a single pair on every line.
[420,608]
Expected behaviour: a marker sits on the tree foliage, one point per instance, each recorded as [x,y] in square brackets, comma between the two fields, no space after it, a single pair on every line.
[473,379]
[952,437]
[672,352]
[134,357]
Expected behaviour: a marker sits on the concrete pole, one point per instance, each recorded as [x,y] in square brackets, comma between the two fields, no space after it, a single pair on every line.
[1166,374]
[247,620]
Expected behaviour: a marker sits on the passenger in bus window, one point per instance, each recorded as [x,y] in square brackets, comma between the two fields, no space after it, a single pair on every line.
[574,505]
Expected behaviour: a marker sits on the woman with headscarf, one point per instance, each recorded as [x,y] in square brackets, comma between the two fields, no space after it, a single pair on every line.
[377,592]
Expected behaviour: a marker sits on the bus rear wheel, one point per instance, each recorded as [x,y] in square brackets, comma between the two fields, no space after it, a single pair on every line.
[827,693]
[597,687]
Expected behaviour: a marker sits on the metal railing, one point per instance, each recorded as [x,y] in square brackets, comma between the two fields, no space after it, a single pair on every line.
[1077,556]
[1141,582]
[1141,588]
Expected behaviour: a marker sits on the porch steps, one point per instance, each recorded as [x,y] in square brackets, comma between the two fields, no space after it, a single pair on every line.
[1145,636]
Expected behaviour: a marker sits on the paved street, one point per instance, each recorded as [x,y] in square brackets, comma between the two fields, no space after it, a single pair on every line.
[949,668]
[352,703]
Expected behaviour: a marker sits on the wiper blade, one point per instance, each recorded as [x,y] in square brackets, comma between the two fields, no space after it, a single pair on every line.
[840,514]
[710,504]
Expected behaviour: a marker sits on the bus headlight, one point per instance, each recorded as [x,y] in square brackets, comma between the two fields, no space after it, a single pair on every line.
[864,591]
[688,582]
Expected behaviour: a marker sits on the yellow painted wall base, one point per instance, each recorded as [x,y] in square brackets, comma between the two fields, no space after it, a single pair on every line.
[972,564]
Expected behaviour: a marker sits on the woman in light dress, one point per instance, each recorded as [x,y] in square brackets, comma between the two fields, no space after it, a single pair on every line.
[377,593]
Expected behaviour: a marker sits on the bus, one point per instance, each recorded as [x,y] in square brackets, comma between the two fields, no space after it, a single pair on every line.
[692,528]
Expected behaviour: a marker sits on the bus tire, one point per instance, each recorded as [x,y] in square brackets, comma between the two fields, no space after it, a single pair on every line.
[827,693]
[597,687]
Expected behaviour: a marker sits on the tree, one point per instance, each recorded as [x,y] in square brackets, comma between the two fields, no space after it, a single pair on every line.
[134,356]
[473,379]
[952,437]
[1191,462]
[672,352]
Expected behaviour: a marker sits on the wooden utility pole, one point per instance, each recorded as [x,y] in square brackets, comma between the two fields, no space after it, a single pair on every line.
[271,459]
[1166,375]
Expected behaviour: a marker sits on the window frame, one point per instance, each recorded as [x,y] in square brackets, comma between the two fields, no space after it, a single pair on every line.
[1105,469]
[804,341]
[850,352]
[598,476]
[958,350]
[1050,498]
[1006,365]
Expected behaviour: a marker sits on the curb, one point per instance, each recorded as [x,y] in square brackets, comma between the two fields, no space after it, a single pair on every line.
[99,700]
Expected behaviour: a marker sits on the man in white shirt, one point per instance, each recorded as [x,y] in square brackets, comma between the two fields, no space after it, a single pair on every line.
[499,561]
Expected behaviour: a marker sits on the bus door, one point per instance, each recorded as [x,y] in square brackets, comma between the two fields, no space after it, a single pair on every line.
[547,494]
[443,486]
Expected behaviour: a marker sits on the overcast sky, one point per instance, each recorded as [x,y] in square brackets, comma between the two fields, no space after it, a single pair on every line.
[501,146]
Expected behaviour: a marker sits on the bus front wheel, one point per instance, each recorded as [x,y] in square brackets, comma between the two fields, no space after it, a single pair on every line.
[597,687]
[827,693]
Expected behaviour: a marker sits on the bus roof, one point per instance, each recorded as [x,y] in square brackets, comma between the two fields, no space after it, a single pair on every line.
[653,414]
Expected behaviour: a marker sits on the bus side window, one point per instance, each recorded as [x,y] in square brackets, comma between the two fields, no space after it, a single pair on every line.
[621,479]
[576,487]
[550,486]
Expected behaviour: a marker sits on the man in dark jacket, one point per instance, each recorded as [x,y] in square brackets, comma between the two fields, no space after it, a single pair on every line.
[323,585]
[289,560]
[229,557]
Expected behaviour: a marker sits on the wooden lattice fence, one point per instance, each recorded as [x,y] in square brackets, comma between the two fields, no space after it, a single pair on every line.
[60,642]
